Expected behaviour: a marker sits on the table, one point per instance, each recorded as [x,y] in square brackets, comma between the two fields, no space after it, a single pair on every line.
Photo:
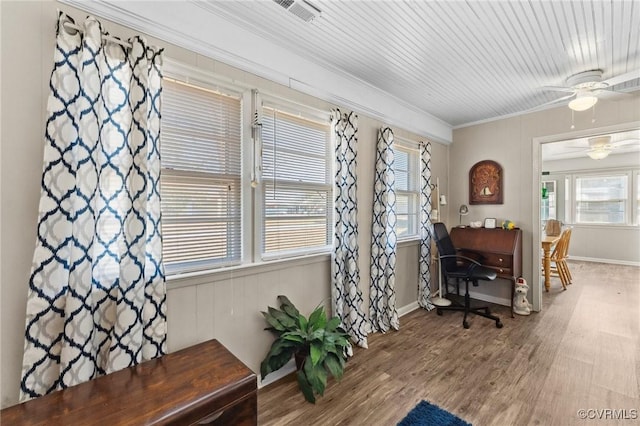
[202,384]
[548,241]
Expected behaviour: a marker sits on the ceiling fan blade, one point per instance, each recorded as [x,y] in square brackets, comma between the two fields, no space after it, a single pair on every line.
[609,94]
[555,101]
[625,142]
[558,89]
[579,148]
[622,78]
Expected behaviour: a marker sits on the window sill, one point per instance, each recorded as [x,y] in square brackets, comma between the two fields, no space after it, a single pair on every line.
[602,226]
[409,241]
[212,275]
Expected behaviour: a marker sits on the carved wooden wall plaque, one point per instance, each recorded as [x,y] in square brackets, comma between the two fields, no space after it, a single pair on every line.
[485,183]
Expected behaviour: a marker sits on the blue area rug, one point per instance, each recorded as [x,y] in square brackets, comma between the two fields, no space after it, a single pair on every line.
[425,414]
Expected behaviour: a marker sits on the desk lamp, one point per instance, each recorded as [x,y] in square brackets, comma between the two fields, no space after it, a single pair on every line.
[464,210]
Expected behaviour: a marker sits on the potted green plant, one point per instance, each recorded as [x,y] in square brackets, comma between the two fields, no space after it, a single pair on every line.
[318,344]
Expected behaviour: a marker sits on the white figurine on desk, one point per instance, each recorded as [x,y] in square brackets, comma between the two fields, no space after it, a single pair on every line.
[521,305]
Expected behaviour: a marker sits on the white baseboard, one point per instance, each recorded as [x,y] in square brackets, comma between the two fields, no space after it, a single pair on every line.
[610,261]
[408,308]
[404,310]
[485,297]
[288,368]
[489,298]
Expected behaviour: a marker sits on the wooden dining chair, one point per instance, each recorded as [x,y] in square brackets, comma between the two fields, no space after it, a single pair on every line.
[559,256]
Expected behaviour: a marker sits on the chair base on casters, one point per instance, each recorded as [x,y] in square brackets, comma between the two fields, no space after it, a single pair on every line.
[467,309]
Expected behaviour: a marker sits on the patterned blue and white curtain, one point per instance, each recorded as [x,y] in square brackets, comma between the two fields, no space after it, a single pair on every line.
[426,228]
[346,295]
[96,300]
[382,310]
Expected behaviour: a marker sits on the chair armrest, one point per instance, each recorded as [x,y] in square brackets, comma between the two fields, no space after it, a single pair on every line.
[472,262]
[478,255]
[458,256]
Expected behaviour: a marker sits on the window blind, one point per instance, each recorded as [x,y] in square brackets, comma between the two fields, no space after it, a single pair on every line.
[601,199]
[201,177]
[297,187]
[407,189]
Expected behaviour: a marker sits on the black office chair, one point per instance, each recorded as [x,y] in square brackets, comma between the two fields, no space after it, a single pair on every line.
[454,265]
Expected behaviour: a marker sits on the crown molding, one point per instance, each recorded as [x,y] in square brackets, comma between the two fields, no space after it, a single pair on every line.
[190,26]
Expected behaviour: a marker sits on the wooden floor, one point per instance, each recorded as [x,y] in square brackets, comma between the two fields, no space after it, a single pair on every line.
[581,352]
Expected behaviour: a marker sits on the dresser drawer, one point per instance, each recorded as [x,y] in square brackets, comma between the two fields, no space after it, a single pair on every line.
[241,413]
[502,272]
[497,260]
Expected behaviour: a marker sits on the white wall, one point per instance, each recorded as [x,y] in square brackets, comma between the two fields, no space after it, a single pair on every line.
[510,142]
[225,305]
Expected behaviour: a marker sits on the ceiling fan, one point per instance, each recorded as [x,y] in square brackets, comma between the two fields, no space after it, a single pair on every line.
[600,147]
[586,87]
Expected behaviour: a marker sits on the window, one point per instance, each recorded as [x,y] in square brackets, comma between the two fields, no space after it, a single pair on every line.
[568,209]
[407,172]
[549,200]
[201,177]
[637,198]
[229,197]
[601,199]
[297,189]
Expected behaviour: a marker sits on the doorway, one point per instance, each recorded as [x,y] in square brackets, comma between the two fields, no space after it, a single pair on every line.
[560,162]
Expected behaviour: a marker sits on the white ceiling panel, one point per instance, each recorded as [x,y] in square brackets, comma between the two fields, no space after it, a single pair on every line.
[459,61]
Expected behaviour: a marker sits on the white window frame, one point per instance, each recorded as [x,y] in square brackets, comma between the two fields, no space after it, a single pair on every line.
[196,77]
[310,113]
[635,197]
[553,183]
[632,189]
[569,207]
[251,185]
[413,149]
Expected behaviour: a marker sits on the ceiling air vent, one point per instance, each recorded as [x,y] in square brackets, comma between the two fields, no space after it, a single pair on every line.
[301,8]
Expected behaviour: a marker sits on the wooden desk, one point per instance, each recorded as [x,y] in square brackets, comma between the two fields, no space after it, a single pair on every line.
[548,242]
[202,384]
[500,249]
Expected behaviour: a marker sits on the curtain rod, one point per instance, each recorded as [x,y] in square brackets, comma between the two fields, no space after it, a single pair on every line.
[73,26]
[407,143]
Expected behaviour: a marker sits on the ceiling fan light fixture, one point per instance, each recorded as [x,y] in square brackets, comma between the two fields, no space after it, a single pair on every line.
[598,153]
[583,102]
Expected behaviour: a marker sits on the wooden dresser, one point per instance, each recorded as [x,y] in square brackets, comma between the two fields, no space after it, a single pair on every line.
[499,249]
[202,384]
